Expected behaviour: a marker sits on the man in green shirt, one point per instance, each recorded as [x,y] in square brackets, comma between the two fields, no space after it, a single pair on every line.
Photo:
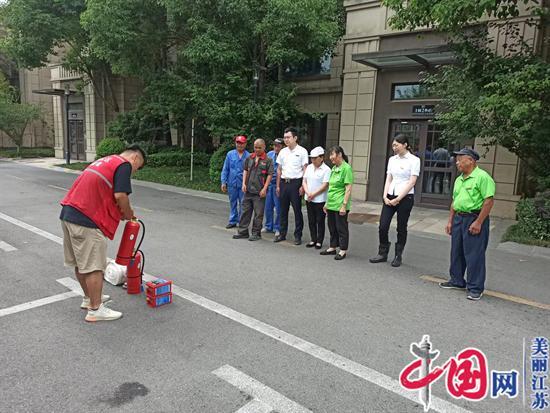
[468,224]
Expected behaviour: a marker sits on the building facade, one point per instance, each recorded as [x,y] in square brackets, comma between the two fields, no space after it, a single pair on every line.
[379,72]
[89,111]
[39,133]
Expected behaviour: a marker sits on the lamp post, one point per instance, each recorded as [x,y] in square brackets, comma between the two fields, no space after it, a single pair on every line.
[256,78]
[68,149]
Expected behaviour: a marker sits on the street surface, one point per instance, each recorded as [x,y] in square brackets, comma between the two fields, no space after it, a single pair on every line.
[254,327]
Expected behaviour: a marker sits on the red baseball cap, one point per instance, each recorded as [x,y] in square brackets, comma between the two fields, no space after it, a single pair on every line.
[240,139]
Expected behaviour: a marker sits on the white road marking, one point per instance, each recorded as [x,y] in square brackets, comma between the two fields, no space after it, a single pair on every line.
[31,228]
[329,357]
[255,406]
[72,285]
[58,187]
[336,360]
[37,303]
[4,246]
[264,397]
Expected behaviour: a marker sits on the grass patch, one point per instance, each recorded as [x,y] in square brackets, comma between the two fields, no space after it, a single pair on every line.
[168,175]
[516,234]
[27,153]
[76,166]
[173,175]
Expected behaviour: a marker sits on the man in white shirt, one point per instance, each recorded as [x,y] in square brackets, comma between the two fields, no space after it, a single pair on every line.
[315,186]
[292,162]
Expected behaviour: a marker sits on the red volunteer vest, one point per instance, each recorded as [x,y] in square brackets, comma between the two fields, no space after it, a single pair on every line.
[93,194]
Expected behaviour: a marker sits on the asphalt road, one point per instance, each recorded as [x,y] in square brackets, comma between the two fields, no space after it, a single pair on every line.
[255,327]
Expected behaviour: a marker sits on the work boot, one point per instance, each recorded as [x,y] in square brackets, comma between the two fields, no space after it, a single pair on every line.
[398,252]
[382,256]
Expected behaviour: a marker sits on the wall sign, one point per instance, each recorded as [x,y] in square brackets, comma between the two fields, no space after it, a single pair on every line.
[423,110]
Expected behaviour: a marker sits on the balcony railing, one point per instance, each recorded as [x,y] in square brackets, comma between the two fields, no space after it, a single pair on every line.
[61,73]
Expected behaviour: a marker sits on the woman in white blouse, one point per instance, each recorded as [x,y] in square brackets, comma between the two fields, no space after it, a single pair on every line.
[403,171]
[315,186]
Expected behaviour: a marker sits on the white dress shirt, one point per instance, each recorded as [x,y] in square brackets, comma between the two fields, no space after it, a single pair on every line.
[292,162]
[401,168]
[315,177]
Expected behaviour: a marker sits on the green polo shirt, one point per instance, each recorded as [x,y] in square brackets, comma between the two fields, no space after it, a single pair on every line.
[469,193]
[340,176]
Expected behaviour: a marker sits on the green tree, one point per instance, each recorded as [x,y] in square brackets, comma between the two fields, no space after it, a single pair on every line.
[453,15]
[219,61]
[39,29]
[500,98]
[15,116]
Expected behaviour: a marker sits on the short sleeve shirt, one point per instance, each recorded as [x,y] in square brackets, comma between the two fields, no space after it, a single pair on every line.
[340,177]
[122,183]
[470,193]
[292,162]
[257,174]
[315,178]
[401,169]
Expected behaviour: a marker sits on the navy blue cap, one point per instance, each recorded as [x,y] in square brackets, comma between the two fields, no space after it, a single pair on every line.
[469,152]
[278,140]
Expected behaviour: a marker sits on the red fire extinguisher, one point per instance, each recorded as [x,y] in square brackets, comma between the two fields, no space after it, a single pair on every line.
[133,259]
[134,273]
[128,241]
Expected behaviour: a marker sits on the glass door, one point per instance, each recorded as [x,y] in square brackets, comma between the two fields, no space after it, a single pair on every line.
[438,171]
[416,132]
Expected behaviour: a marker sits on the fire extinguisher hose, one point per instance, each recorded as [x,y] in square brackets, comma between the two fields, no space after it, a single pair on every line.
[142,236]
[139,245]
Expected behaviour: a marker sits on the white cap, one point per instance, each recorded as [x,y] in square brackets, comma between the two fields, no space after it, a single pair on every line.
[317,151]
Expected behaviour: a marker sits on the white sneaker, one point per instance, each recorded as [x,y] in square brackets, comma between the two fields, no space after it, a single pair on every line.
[277,233]
[102,314]
[86,301]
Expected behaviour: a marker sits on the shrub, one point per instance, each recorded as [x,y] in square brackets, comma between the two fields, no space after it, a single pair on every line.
[109,146]
[534,216]
[217,159]
[179,158]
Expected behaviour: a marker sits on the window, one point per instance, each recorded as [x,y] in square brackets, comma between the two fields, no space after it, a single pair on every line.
[311,68]
[408,91]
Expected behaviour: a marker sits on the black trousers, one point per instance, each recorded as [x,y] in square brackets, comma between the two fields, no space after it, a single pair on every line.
[338,228]
[316,221]
[252,203]
[403,210]
[290,195]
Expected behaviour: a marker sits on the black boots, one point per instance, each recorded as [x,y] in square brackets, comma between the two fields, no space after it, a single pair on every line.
[398,253]
[382,256]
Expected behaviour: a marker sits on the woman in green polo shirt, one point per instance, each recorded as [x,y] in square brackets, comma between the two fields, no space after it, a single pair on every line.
[338,203]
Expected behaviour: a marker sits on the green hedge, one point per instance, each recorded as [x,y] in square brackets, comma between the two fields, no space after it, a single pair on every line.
[109,146]
[179,158]
[534,216]
[217,159]
[27,153]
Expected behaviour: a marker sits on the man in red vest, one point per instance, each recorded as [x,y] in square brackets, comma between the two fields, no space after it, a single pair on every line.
[91,212]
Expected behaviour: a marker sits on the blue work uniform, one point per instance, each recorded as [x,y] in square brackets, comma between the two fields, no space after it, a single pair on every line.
[272,200]
[232,176]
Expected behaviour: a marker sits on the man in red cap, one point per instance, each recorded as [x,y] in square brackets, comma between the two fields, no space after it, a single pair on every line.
[232,178]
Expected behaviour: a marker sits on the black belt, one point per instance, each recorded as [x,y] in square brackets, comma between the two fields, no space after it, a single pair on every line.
[465,214]
[287,180]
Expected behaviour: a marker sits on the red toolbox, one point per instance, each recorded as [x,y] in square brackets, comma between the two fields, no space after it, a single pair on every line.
[158,287]
[158,300]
